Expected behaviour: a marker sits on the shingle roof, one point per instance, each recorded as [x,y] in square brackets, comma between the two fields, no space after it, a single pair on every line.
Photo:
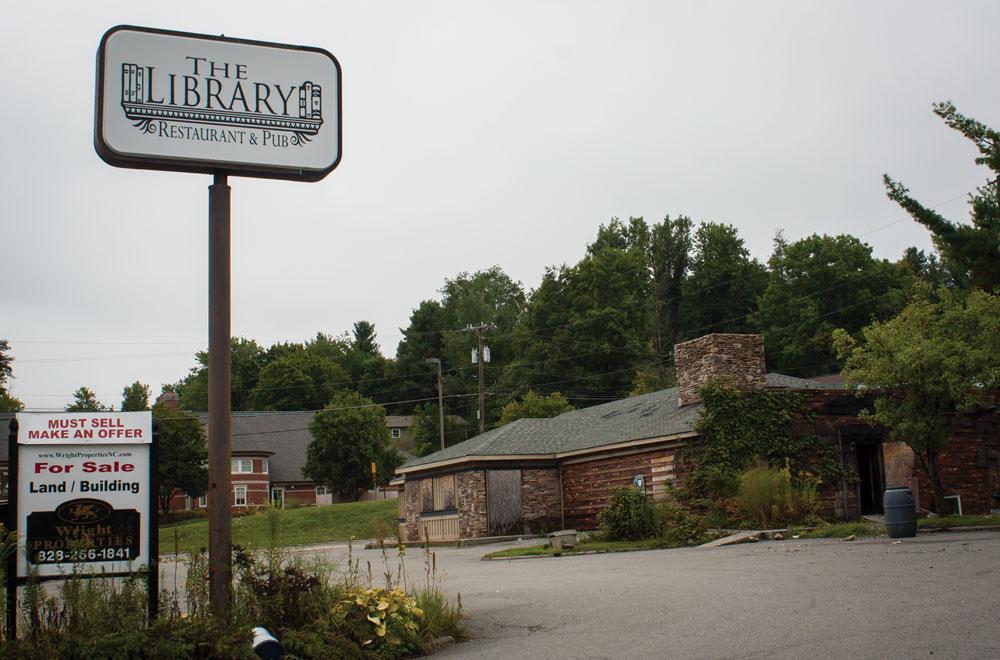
[284,433]
[642,417]
[398,421]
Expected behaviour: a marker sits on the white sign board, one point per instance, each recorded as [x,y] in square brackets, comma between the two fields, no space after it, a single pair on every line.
[83,492]
[198,103]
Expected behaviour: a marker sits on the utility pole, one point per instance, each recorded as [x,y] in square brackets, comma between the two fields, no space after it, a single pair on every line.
[437,361]
[482,390]
[481,358]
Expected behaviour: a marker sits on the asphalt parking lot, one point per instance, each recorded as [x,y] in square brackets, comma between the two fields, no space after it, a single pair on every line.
[934,596]
[937,595]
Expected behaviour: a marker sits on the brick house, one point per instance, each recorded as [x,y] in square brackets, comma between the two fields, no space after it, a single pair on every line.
[269,451]
[536,475]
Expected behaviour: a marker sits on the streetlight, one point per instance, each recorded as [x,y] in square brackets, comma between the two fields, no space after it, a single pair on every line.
[437,361]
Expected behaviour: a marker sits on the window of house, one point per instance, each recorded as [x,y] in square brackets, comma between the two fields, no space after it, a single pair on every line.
[241,495]
[320,490]
[444,492]
[264,466]
[203,501]
[437,494]
[242,466]
[396,433]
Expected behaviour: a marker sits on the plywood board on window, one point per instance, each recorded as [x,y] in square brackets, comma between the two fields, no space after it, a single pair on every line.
[503,502]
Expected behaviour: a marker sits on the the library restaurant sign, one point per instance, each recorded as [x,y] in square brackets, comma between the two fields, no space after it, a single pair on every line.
[84,492]
[201,103]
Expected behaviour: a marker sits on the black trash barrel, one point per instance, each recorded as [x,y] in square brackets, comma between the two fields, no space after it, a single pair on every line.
[900,512]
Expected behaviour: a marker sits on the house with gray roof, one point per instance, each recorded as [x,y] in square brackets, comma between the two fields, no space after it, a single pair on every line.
[537,475]
[269,452]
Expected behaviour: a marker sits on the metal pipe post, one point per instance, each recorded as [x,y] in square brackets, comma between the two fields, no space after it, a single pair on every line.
[220,530]
[482,385]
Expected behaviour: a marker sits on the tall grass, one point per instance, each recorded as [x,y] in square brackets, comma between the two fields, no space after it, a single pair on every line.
[770,498]
[318,609]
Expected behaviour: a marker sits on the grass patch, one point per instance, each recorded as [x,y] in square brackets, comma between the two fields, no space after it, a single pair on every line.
[585,547]
[944,522]
[301,526]
[865,528]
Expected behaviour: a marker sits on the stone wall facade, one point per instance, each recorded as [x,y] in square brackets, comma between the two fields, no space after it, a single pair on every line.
[738,359]
[472,504]
[409,506]
[541,500]
[588,485]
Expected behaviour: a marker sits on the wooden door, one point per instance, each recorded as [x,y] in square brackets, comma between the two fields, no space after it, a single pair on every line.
[503,502]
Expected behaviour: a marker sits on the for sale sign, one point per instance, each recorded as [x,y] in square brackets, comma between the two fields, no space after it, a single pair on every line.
[199,103]
[83,492]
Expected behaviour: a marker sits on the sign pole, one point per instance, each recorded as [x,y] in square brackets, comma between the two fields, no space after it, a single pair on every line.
[11,524]
[220,530]
[153,524]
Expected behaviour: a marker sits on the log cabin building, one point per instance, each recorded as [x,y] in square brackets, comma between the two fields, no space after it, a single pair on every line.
[538,475]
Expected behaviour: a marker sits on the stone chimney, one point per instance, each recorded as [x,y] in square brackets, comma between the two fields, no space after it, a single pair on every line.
[738,359]
[170,400]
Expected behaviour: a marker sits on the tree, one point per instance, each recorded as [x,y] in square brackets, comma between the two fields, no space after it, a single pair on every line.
[348,436]
[364,338]
[8,403]
[818,284]
[84,400]
[422,339]
[925,367]
[973,250]
[587,324]
[247,359]
[490,297]
[300,380]
[367,366]
[6,363]
[425,430]
[720,293]
[135,397]
[183,463]
[534,406]
[669,257]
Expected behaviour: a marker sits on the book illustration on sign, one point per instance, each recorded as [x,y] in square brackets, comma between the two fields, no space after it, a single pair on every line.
[204,101]
[83,530]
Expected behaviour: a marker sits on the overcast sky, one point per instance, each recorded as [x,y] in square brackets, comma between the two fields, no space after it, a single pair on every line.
[474,134]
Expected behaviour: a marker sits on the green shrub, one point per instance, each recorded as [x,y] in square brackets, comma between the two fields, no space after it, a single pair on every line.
[441,617]
[177,515]
[282,594]
[628,517]
[713,481]
[677,525]
[771,499]
[385,623]
[766,493]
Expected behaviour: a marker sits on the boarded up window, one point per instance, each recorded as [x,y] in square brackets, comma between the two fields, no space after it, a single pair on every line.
[503,502]
[426,494]
[444,492]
